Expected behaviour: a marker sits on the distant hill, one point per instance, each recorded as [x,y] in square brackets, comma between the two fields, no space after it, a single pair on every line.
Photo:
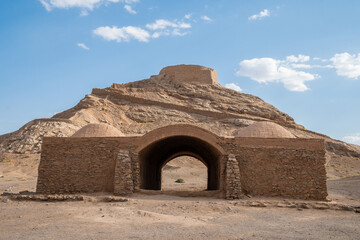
[141,106]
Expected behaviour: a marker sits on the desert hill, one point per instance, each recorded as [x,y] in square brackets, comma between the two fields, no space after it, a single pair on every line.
[169,98]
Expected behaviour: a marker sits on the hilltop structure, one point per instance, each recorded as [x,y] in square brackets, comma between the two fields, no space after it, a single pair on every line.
[263,159]
[190,74]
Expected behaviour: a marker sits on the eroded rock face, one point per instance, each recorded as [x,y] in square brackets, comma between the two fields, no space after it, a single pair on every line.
[29,137]
[179,94]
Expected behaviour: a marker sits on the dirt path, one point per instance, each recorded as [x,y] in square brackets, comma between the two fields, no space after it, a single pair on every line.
[168,217]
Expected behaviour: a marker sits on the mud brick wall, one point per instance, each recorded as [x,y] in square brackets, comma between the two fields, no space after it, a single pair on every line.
[293,168]
[70,165]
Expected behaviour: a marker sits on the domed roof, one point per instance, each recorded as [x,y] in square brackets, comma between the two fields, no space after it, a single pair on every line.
[264,130]
[98,130]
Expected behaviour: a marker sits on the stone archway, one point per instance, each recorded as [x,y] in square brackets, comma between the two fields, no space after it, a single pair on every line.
[170,142]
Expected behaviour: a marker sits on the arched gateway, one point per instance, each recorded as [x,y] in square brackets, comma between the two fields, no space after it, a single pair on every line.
[164,144]
[289,167]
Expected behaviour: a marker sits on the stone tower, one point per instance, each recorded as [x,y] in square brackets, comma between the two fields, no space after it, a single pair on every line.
[191,74]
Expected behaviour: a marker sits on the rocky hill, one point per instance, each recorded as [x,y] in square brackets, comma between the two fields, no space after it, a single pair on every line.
[186,96]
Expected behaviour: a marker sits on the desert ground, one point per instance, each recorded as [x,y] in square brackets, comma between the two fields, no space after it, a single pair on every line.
[163,215]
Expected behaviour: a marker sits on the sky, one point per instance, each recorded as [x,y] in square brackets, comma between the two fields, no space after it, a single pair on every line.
[303,57]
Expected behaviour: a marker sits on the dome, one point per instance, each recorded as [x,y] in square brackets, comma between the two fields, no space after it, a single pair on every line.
[264,130]
[98,130]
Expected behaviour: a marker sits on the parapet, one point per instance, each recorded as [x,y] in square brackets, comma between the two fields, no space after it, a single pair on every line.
[190,74]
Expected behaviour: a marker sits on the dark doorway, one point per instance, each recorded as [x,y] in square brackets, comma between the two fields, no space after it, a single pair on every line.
[156,155]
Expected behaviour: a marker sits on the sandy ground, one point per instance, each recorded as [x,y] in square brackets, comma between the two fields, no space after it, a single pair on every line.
[342,166]
[191,170]
[167,217]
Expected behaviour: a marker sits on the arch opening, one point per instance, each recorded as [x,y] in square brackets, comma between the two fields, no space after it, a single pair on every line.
[157,154]
[184,173]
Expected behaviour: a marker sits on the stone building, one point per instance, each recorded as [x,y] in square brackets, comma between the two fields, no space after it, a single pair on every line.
[263,159]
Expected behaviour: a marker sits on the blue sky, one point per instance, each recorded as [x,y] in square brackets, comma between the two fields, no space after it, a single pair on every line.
[301,56]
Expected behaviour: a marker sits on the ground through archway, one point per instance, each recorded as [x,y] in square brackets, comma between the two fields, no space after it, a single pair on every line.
[184,173]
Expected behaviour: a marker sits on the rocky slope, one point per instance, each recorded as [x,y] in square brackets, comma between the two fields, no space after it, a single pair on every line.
[139,107]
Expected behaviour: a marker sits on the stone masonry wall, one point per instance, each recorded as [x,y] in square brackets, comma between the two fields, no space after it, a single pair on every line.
[70,165]
[123,179]
[135,167]
[127,173]
[287,171]
[232,178]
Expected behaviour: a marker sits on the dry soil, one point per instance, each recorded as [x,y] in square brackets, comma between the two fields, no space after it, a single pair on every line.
[163,216]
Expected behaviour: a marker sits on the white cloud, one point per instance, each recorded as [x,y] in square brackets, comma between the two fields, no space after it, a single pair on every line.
[46,5]
[163,27]
[355,139]
[158,34]
[129,9]
[266,70]
[206,18]
[287,72]
[83,46]
[127,1]
[309,66]
[177,32]
[262,14]
[122,34]
[299,58]
[301,65]
[160,27]
[187,16]
[320,59]
[85,5]
[347,65]
[233,86]
[84,13]
[174,32]
[163,24]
